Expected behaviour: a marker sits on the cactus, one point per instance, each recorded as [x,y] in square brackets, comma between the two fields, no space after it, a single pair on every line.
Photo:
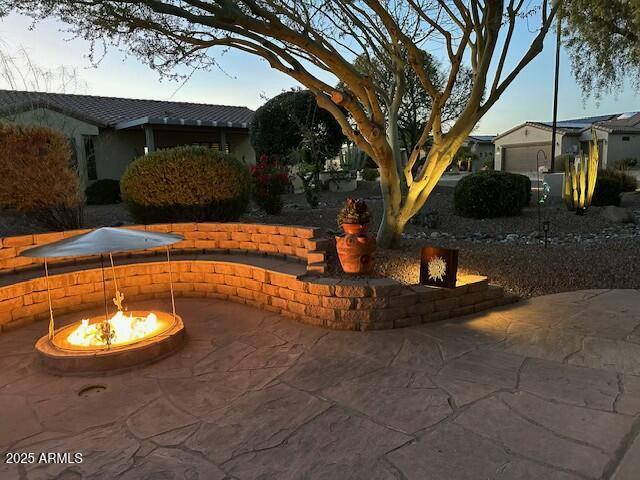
[580,177]
[352,159]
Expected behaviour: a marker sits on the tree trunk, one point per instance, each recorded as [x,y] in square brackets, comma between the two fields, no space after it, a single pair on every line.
[390,230]
[398,210]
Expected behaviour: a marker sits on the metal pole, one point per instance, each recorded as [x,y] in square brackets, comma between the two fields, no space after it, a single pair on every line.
[555,95]
[173,300]
[538,187]
[113,271]
[51,323]
[119,297]
[104,290]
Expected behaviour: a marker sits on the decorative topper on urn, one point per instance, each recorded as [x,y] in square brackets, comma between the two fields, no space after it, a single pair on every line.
[355,248]
[439,267]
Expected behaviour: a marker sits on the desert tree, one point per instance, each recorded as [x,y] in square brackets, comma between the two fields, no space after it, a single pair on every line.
[292,128]
[18,71]
[416,104]
[603,39]
[316,43]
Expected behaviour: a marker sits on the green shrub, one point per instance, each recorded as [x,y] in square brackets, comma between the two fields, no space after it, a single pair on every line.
[607,191]
[370,174]
[186,184]
[103,192]
[625,163]
[270,181]
[37,177]
[491,194]
[629,182]
[561,161]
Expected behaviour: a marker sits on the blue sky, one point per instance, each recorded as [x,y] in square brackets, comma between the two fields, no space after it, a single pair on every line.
[246,80]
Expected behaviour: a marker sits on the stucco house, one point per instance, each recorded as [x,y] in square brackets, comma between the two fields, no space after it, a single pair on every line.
[519,149]
[107,133]
[481,145]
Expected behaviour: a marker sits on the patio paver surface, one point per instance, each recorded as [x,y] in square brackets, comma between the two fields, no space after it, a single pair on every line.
[546,389]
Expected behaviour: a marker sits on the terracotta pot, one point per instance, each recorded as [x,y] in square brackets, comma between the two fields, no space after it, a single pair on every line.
[355,228]
[356,251]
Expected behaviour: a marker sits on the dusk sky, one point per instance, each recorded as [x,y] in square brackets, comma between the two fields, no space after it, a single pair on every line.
[246,80]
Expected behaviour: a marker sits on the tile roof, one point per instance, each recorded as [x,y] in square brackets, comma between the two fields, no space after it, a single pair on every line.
[623,123]
[482,138]
[110,111]
[613,123]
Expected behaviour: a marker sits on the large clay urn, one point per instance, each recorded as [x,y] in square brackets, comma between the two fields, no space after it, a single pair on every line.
[355,248]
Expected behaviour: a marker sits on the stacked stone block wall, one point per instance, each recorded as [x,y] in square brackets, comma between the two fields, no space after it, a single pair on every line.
[290,242]
[348,304]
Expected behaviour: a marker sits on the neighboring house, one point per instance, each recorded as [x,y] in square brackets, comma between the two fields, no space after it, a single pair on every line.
[522,148]
[107,133]
[481,145]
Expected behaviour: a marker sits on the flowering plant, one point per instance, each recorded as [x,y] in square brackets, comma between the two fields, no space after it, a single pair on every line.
[354,211]
[269,182]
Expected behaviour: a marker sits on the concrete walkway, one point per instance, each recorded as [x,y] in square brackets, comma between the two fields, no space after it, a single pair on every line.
[544,389]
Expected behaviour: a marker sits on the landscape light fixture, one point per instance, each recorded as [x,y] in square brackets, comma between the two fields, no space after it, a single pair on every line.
[546,225]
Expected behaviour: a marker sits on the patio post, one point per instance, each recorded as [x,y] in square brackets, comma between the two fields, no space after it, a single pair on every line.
[223,141]
[149,138]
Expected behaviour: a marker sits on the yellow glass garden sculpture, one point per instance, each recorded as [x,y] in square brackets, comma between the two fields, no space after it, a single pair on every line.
[580,177]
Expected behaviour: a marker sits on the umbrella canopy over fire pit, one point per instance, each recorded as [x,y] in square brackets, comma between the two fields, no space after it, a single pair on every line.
[103,240]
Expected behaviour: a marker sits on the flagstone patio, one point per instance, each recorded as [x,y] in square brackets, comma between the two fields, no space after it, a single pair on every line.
[543,389]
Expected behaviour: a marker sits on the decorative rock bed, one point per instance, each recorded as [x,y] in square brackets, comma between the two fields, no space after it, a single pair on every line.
[280,284]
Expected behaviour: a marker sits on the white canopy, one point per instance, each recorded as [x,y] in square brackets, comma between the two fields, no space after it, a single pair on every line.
[103,240]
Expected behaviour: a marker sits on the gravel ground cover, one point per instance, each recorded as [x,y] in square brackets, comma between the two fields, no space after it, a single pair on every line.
[583,252]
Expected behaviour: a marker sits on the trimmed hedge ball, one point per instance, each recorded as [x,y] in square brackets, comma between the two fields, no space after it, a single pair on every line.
[491,194]
[186,184]
[607,191]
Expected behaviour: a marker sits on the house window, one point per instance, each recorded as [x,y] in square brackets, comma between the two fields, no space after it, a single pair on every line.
[213,145]
[90,157]
[625,139]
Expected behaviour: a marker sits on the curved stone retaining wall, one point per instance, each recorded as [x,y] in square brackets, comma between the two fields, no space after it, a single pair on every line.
[352,304]
[291,242]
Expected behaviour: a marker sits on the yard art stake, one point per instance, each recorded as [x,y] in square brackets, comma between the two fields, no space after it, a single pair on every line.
[580,178]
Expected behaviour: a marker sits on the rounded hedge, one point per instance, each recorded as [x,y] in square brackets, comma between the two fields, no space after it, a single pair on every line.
[607,191]
[490,194]
[38,178]
[628,183]
[186,184]
[103,192]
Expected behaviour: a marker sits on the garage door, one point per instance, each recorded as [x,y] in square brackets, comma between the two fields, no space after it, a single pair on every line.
[523,159]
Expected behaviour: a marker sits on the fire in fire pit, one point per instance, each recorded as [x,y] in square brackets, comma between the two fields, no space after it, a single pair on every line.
[122,328]
[116,342]
[136,338]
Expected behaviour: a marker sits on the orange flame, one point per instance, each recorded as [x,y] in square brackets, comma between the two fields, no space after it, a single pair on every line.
[126,328]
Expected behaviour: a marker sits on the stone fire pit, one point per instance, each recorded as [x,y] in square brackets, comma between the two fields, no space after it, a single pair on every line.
[59,355]
[108,343]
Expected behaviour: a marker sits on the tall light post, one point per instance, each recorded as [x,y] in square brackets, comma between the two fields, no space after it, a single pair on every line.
[555,91]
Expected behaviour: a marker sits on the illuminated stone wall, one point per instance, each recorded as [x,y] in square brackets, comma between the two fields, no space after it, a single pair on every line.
[291,242]
[347,304]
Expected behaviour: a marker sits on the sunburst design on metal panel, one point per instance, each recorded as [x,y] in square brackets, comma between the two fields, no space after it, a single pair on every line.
[437,268]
